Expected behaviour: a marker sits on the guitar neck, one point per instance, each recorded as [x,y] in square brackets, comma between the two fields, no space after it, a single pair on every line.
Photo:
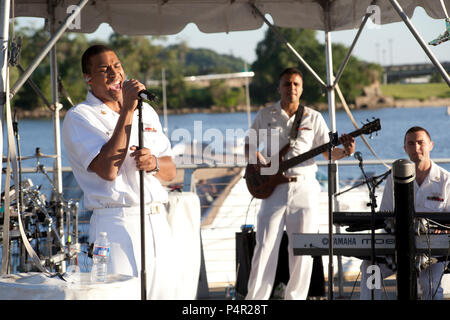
[287,164]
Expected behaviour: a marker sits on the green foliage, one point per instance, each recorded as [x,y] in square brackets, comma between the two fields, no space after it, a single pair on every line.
[421,91]
[138,56]
[144,60]
[223,95]
[69,68]
[199,98]
[436,78]
[205,61]
[273,57]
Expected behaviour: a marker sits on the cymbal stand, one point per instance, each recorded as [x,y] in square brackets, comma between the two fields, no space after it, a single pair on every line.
[19,160]
[19,198]
[59,200]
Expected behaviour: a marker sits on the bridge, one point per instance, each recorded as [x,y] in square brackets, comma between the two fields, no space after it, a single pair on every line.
[397,72]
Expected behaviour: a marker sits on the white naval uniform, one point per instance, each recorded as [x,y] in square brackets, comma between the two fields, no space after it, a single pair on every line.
[116,204]
[432,196]
[294,204]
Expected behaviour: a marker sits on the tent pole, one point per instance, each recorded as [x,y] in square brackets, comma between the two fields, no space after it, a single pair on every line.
[283,40]
[4,38]
[35,63]
[332,166]
[163,80]
[56,106]
[247,98]
[349,53]
[419,39]
[347,57]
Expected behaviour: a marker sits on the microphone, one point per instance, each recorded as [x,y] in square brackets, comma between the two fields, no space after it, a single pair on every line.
[147,95]
[358,156]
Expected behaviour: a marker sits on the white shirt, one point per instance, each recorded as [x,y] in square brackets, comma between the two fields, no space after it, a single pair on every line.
[276,124]
[432,195]
[86,128]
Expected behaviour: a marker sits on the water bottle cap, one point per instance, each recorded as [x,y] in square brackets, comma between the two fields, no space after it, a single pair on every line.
[103,234]
[247,227]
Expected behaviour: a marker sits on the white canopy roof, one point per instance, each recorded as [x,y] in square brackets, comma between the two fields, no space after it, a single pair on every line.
[164,17]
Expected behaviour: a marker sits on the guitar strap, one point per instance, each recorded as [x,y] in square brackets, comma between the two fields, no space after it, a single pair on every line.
[294,130]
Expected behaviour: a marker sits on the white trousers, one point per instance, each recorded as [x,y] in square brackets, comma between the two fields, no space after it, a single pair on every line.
[295,206]
[124,235]
[428,280]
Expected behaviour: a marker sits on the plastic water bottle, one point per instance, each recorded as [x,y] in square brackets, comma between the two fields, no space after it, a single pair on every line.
[100,257]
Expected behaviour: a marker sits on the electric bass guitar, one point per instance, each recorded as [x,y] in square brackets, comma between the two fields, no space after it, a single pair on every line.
[261,186]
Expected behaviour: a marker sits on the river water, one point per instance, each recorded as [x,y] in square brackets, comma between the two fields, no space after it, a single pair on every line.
[387,143]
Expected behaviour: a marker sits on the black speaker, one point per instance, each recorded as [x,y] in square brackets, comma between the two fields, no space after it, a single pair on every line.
[245,246]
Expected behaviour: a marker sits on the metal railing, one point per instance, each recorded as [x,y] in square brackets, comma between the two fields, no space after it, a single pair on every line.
[191,182]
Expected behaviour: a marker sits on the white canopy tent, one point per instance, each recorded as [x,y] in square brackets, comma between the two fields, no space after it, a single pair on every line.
[165,17]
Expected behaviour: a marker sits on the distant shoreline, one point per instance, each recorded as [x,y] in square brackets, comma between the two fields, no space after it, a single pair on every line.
[45,113]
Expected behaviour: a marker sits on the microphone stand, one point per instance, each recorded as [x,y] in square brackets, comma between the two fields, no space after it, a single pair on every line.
[382,176]
[371,185]
[142,208]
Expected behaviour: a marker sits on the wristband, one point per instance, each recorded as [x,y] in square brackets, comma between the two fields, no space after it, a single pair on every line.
[348,154]
[156,170]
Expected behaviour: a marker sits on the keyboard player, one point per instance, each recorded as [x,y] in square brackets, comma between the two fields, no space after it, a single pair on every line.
[432,192]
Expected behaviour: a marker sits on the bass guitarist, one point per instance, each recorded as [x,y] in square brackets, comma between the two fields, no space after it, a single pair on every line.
[293,205]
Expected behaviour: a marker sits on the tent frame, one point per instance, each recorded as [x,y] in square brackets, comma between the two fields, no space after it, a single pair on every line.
[330,86]
[56,33]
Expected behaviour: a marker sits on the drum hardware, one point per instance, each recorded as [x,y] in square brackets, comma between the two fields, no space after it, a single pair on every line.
[39,216]
[31,200]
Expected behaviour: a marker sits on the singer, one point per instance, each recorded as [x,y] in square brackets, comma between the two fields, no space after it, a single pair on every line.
[100,135]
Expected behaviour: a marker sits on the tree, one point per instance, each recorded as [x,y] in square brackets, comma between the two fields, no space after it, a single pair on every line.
[223,95]
[142,60]
[138,55]
[69,67]
[273,57]
[436,77]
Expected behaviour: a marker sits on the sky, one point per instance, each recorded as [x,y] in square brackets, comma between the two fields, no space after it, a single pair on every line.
[386,44]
